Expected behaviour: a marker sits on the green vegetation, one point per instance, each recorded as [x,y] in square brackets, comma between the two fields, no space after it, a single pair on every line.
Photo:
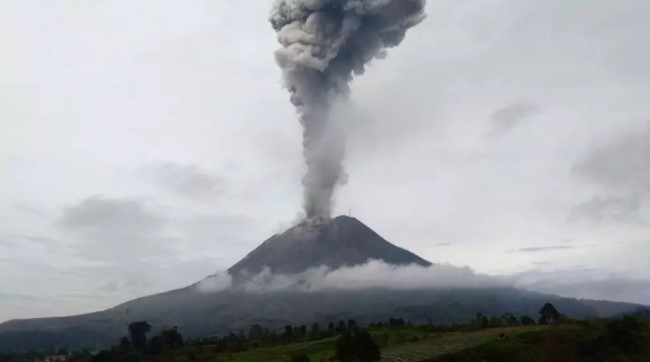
[626,339]
[449,342]
[506,338]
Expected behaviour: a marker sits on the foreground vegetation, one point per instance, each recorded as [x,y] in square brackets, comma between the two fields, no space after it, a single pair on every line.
[626,339]
[505,338]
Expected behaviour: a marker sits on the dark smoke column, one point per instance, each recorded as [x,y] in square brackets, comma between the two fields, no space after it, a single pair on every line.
[324,43]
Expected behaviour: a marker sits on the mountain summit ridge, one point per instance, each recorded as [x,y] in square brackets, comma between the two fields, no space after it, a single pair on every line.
[334,243]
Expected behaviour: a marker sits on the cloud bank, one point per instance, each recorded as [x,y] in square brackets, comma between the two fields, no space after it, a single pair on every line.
[586,284]
[374,274]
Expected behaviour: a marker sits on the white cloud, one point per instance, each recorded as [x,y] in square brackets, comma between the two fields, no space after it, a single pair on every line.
[586,283]
[373,274]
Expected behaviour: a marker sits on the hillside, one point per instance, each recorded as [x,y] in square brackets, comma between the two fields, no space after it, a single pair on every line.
[342,241]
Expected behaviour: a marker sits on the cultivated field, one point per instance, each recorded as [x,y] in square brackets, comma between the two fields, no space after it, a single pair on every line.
[445,343]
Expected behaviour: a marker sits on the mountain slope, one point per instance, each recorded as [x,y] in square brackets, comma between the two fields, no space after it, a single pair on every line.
[342,241]
[338,242]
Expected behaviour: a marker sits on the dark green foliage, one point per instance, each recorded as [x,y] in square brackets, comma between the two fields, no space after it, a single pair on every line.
[156,345]
[510,320]
[255,332]
[315,328]
[340,327]
[299,358]
[138,331]
[357,345]
[172,338]
[548,314]
[628,334]
[526,321]
[288,331]
[125,344]
[396,322]
[627,339]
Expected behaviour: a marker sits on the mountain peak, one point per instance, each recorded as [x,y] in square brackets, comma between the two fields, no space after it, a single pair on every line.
[334,243]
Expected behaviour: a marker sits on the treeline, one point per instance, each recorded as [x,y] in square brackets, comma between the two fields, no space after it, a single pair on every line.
[260,336]
[137,345]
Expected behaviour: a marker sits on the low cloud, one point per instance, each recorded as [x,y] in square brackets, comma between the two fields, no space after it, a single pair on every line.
[585,283]
[540,249]
[99,214]
[626,208]
[620,163]
[507,118]
[111,229]
[619,168]
[374,274]
[187,181]
[574,282]
[215,283]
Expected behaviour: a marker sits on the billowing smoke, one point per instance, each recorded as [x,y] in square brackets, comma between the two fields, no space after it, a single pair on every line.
[324,43]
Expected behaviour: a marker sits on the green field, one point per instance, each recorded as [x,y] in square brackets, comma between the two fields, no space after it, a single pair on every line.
[626,339]
[441,344]
[402,344]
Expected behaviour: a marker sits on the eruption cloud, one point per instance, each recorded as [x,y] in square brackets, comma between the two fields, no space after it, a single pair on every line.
[324,44]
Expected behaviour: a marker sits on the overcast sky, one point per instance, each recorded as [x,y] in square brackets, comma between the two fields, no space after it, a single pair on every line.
[145,145]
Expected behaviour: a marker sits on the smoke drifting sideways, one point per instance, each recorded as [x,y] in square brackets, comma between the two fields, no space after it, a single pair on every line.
[324,44]
[375,274]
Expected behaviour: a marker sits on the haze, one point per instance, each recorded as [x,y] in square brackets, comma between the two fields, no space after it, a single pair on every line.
[145,145]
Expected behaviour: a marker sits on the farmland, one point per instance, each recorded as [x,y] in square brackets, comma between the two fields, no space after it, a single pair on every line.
[445,343]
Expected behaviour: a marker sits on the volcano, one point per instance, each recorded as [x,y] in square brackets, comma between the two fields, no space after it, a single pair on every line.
[342,241]
[334,243]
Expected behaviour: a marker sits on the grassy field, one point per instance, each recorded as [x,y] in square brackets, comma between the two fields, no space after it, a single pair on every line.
[441,344]
[403,344]
[625,339]
[601,340]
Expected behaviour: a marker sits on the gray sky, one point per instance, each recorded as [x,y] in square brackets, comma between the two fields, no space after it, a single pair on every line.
[145,145]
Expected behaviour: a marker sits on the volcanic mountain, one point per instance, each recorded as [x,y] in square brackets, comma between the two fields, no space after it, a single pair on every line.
[342,241]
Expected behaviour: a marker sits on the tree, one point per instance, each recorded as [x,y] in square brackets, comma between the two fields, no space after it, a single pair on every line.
[125,344]
[393,322]
[510,320]
[255,332]
[138,332]
[156,345]
[302,330]
[496,322]
[485,322]
[357,345]
[527,321]
[330,326]
[288,331]
[548,314]
[345,347]
[172,338]
[315,328]
[341,326]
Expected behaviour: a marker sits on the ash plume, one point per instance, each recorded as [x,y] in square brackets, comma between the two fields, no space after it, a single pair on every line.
[324,44]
